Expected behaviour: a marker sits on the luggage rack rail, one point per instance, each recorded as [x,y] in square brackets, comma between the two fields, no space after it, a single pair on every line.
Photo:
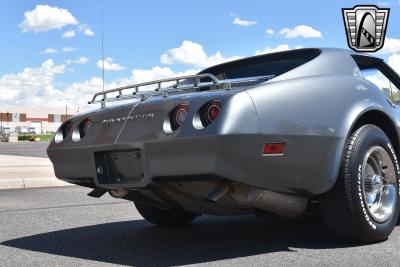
[211,80]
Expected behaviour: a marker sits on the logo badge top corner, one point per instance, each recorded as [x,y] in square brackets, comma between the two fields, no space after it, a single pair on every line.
[365,27]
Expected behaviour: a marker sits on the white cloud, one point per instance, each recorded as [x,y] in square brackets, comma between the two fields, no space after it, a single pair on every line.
[69,34]
[394,62]
[383,3]
[69,49]
[268,49]
[80,60]
[243,22]
[38,86]
[88,32]
[301,31]
[79,93]
[279,48]
[392,45]
[33,86]
[85,29]
[192,53]
[109,65]
[379,79]
[269,32]
[44,18]
[49,51]
[140,75]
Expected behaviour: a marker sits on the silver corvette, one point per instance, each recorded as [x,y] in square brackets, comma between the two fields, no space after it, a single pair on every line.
[270,134]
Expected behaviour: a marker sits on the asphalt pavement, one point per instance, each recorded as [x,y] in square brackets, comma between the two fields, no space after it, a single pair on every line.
[64,227]
[27,149]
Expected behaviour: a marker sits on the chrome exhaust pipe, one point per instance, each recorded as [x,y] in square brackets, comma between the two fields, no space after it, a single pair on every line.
[281,204]
[218,192]
[277,203]
[119,192]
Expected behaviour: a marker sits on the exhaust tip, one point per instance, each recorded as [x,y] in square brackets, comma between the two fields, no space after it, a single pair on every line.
[119,192]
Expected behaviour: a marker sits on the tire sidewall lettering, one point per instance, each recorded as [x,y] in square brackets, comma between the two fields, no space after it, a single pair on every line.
[361,199]
[396,164]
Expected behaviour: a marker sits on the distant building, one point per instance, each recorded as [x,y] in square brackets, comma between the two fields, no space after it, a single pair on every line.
[29,120]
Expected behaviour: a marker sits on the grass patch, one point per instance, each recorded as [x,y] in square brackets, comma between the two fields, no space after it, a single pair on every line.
[33,137]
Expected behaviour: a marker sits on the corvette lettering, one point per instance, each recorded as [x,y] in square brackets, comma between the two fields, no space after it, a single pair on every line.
[143,116]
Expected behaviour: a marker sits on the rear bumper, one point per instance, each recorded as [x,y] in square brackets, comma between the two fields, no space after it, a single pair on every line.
[300,171]
[183,157]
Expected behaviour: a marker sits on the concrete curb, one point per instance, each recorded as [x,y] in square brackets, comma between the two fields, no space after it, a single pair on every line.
[27,172]
[15,183]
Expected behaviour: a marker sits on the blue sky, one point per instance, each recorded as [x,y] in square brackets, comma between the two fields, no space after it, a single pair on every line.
[139,35]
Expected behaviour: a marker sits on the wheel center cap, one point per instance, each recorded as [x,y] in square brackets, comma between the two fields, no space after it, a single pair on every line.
[374,183]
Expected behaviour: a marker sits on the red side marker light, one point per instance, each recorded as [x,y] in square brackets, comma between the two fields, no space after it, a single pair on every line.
[273,149]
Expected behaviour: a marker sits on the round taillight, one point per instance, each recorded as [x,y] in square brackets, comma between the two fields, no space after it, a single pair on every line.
[212,112]
[178,116]
[207,114]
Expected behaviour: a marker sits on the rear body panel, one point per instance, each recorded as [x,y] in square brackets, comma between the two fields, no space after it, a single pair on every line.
[310,109]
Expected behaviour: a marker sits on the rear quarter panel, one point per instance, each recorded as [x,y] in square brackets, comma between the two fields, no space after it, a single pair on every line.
[313,116]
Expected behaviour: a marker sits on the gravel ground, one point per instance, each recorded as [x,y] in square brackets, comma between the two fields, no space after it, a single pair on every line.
[64,227]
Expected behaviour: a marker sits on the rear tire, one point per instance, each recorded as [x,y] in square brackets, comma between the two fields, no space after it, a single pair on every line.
[165,217]
[363,206]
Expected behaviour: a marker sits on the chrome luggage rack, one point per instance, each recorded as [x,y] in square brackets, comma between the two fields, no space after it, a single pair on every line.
[177,87]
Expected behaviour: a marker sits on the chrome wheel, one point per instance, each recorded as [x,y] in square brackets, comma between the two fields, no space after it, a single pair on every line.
[379,188]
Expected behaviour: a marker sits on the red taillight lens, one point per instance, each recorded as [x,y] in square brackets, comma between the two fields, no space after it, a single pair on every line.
[178,116]
[213,112]
[273,149]
[209,112]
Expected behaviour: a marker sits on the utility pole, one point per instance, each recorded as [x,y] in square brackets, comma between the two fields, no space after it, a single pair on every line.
[66,112]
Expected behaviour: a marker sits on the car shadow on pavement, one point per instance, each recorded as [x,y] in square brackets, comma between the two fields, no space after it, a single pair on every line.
[208,239]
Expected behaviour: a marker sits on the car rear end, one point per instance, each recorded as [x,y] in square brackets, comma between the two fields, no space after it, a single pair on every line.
[180,136]
[197,145]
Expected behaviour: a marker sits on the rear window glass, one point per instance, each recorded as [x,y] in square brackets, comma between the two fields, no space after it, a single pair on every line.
[269,64]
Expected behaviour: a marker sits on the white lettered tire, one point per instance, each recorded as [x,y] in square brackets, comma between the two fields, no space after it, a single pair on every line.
[363,206]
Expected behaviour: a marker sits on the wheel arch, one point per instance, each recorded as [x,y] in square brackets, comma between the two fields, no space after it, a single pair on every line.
[383,121]
[375,116]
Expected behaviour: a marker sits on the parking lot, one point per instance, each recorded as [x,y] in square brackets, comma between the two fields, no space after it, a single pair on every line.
[62,226]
